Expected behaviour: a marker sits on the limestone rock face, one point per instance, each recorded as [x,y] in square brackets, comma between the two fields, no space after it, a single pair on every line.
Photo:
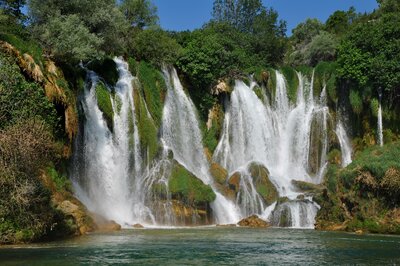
[77,212]
[220,88]
[253,221]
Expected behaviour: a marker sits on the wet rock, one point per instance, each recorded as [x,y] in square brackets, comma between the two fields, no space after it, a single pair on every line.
[234,182]
[109,226]
[302,186]
[253,221]
[138,226]
[226,225]
[218,172]
[359,232]
[264,186]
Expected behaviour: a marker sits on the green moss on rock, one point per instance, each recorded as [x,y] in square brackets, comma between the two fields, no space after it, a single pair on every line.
[292,82]
[154,89]
[263,184]
[104,104]
[186,187]
[364,195]
[146,126]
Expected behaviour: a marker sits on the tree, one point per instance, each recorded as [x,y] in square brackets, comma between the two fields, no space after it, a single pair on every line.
[322,48]
[305,31]
[340,21]
[238,13]
[140,13]
[13,8]
[100,23]
[69,40]
[156,47]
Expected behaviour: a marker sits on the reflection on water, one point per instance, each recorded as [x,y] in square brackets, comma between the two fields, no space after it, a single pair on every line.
[202,246]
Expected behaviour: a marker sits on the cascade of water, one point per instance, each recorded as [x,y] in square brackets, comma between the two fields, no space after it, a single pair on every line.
[284,137]
[109,182]
[181,134]
[380,126]
[345,145]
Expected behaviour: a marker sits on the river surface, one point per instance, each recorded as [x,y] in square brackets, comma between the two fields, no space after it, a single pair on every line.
[210,246]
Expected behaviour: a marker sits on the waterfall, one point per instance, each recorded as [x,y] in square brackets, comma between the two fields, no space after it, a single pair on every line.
[181,134]
[345,145]
[290,139]
[380,126]
[108,176]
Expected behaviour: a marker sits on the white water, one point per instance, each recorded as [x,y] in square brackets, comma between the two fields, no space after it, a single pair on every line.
[181,134]
[345,145]
[279,136]
[380,126]
[108,180]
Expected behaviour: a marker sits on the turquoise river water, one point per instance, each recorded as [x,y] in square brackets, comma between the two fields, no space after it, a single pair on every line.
[210,246]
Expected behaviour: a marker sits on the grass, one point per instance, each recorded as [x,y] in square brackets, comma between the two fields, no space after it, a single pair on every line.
[24,46]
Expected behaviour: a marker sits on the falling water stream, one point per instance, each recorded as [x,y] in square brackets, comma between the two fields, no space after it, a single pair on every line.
[181,134]
[380,126]
[277,134]
[289,138]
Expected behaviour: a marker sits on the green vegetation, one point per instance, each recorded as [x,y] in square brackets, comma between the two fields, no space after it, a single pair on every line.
[104,103]
[154,90]
[355,55]
[105,68]
[292,82]
[20,99]
[364,195]
[61,182]
[185,186]
[26,213]
[147,128]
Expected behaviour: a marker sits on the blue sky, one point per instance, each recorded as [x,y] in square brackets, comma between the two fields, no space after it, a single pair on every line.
[191,14]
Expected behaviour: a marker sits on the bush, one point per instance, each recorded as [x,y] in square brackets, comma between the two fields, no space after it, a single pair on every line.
[356,101]
[156,47]
[25,210]
[20,99]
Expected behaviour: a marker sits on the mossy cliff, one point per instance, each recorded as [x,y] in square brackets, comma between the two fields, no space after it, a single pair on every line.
[365,195]
[38,121]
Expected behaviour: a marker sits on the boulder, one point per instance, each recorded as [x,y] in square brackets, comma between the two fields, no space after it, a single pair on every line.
[263,184]
[306,187]
[253,221]
[261,181]
[109,226]
[218,172]
[137,226]
[234,182]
